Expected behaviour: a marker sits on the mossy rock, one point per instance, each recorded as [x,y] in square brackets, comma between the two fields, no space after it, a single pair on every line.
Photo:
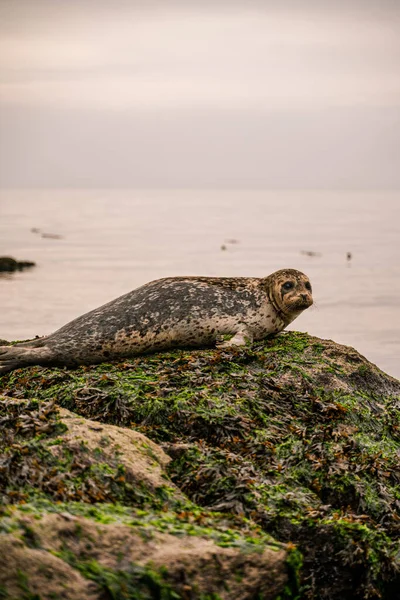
[53,553]
[296,437]
[88,511]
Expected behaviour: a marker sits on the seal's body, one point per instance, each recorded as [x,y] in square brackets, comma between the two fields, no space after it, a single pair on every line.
[177,312]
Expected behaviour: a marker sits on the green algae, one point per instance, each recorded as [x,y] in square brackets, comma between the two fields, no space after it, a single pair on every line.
[190,520]
[29,464]
[134,582]
[129,580]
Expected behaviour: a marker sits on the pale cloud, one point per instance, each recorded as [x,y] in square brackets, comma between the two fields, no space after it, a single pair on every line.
[121,93]
[238,59]
[32,52]
[295,93]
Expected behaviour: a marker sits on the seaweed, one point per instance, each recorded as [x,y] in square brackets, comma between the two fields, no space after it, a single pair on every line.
[297,435]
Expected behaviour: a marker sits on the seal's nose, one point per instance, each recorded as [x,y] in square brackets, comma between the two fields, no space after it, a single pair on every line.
[307,299]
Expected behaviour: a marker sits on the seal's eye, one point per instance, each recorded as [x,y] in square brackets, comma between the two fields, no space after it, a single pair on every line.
[308,286]
[288,285]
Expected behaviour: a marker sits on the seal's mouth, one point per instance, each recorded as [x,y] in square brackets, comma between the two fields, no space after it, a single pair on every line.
[303,302]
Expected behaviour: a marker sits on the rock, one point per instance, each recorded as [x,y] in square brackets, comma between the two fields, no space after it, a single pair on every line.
[143,461]
[233,473]
[63,538]
[9,264]
[83,558]
[39,572]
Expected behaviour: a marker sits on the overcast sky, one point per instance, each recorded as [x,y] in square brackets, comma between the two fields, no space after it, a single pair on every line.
[184,94]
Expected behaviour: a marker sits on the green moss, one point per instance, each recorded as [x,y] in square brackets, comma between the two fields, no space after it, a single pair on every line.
[294,564]
[132,583]
[363,370]
[225,531]
[69,473]
[23,582]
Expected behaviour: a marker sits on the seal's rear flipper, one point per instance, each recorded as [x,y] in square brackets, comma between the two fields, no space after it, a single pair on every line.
[14,357]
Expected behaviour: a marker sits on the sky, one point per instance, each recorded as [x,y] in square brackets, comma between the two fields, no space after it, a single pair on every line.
[130,93]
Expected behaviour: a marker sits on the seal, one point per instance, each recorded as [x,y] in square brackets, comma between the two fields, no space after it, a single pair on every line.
[176,312]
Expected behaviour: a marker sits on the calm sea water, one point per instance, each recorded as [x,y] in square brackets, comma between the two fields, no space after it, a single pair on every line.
[115,240]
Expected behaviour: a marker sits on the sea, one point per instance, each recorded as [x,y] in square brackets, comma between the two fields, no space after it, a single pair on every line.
[91,246]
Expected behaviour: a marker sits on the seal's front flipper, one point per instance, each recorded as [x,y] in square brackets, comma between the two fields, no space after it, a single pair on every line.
[241,338]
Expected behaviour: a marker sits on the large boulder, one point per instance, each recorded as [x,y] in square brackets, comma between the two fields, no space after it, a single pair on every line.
[230,474]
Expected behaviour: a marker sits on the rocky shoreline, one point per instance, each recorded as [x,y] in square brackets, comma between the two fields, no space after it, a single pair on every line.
[270,471]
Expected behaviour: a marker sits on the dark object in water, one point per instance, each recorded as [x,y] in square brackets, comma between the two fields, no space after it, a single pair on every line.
[9,264]
[51,236]
[310,253]
[349,256]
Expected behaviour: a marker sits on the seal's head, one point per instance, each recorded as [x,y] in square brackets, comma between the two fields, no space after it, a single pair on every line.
[290,293]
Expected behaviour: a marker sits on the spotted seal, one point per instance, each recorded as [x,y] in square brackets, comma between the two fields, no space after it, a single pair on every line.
[176,312]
